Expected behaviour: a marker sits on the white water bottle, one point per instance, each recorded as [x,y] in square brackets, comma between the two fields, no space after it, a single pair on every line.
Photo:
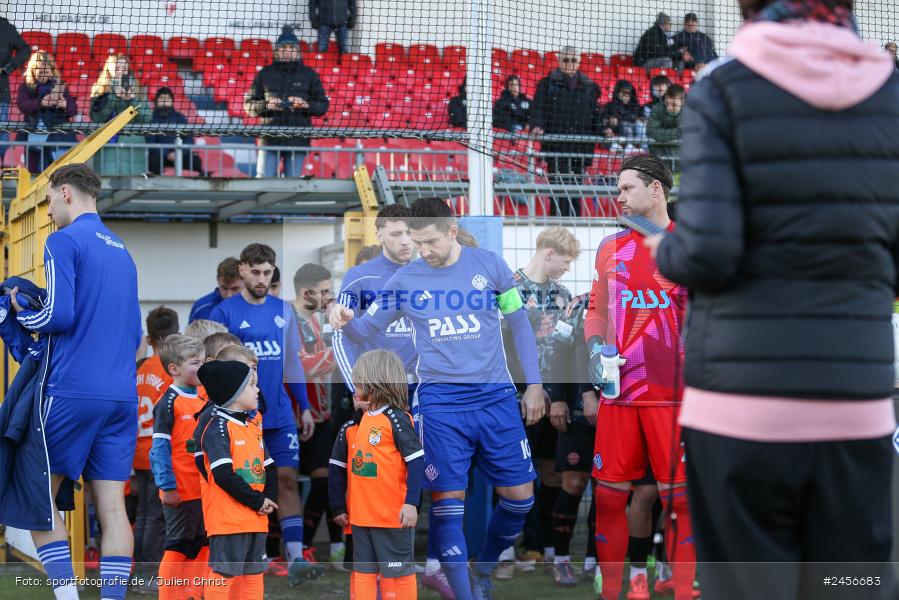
[611,360]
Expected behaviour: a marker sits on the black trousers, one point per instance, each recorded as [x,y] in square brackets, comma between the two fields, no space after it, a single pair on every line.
[773,521]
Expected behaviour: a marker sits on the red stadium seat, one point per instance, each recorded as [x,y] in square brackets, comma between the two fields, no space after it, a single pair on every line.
[592,58]
[621,60]
[109,43]
[71,47]
[356,63]
[38,40]
[389,52]
[258,47]
[550,61]
[220,46]
[523,60]
[419,53]
[454,57]
[145,45]
[184,48]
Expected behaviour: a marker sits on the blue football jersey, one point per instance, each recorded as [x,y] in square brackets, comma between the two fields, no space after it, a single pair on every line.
[270,330]
[456,328]
[361,285]
[91,314]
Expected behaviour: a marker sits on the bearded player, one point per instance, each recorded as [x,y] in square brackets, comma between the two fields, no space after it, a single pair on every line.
[641,313]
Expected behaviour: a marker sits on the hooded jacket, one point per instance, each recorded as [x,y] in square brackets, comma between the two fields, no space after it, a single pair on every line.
[788,232]
[625,112]
[510,112]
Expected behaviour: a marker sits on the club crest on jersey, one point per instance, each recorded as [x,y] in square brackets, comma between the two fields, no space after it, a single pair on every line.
[279,321]
[3,313]
[597,462]
[374,436]
[431,472]
[479,282]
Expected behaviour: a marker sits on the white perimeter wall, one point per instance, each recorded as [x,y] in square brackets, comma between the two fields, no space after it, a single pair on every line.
[610,27]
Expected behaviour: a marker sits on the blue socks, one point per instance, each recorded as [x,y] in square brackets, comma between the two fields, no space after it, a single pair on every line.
[292,534]
[505,525]
[57,561]
[449,541]
[115,571]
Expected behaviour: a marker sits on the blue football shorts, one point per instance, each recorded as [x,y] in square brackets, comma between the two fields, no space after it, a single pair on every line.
[94,439]
[283,446]
[493,436]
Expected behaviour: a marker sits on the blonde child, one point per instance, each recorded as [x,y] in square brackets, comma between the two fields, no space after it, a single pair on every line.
[176,476]
[385,467]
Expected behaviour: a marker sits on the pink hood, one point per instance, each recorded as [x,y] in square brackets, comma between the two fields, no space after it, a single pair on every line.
[827,66]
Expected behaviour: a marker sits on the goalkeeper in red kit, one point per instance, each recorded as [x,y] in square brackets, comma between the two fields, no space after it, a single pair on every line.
[640,313]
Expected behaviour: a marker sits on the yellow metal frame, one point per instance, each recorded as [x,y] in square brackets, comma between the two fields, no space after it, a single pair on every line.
[29,226]
[359,226]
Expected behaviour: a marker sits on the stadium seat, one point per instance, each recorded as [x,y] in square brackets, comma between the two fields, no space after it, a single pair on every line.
[592,58]
[38,40]
[258,47]
[71,47]
[144,45]
[356,63]
[523,60]
[220,46]
[454,57]
[389,52]
[421,53]
[183,48]
[621,60]
[669,73]
[550,61]
[109,43]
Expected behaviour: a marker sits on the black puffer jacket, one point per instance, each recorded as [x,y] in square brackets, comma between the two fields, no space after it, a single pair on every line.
[787,238]
[566,105]
[279,81]
[332,12]
[14,52]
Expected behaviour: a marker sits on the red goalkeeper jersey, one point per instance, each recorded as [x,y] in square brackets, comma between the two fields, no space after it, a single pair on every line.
[633,306]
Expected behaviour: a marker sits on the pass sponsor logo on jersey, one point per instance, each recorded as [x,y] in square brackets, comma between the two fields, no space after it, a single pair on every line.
[266,349]
[645,299]
[450,329]
[399,328]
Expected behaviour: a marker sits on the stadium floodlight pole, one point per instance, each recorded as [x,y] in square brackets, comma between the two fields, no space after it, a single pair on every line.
[479,111]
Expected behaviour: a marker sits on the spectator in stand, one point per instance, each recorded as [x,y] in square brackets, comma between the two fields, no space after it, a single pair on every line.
[338,16]
[566,102]
[14,51]
[285,93]
[658,85]
[458,111]
[160,158]
[623,116]
[45,103]
[891,48]
[664,123]
[695,49]
[656,48]
[229,283]
[511,109]
[115,90]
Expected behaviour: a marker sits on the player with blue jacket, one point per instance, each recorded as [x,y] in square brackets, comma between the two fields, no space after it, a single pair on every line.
[454,297]
[92,323]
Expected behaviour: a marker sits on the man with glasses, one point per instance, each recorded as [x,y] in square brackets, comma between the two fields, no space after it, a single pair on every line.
[566,103]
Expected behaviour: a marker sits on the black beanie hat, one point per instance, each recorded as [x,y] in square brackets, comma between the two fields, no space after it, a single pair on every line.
[224,380]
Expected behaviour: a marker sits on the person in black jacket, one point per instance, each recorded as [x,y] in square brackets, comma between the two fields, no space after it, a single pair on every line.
[788,241]
[14,52]
[694,48]
[566,102]
[510,111]
[286,93]
[623,115]
[458,109]
[655,49]
[160,158]
[338,16]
